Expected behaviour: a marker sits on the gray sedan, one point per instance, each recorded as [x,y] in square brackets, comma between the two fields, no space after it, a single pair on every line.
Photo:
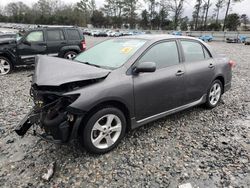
[121,84]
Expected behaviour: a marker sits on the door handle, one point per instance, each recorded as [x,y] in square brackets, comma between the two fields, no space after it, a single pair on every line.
[179,73]
[63,43]
[211,65]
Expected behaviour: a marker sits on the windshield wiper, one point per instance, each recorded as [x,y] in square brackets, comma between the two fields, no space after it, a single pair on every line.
[87,63]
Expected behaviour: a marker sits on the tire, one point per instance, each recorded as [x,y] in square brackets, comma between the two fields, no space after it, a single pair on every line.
[97,136]
[70,55]
[214,94]
[6,67]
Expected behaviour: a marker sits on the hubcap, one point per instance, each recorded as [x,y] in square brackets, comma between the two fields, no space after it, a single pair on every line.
[214,95]
[4,67]
[106,131]
[70,56]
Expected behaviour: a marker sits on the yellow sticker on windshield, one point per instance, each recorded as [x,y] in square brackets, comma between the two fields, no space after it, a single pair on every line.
[126,50]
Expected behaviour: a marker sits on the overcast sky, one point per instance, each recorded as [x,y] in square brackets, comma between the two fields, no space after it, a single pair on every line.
[240,8]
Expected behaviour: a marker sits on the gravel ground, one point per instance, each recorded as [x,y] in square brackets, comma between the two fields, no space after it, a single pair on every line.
[207,148]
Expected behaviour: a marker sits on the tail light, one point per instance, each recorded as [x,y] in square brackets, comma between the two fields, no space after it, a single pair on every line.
[232,63]
[83,43]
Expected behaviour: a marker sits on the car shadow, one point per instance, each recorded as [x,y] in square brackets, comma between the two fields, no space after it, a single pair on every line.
[24,68]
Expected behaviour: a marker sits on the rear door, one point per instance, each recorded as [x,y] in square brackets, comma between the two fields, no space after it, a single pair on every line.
[34,43]
[55,41]
[200,69]
[163,89]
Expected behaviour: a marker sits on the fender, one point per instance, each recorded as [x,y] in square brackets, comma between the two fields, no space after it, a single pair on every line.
[10,54]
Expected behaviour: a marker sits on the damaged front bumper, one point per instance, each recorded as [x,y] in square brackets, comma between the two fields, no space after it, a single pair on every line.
[52,116]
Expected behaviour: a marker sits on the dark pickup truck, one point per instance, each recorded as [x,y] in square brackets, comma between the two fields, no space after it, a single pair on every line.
[65,42]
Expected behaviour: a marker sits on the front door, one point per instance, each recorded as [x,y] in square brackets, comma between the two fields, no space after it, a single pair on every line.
[30,46]
[163,89]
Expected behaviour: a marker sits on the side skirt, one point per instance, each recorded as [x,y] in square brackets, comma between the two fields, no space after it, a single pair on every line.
[141,122]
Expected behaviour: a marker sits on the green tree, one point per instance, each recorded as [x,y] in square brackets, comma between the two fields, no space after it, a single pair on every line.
[244,20]
[196,13]
[152,4]
[176,7]
[97,19]
[84,7]
[163,14]
[214,27]
[229,2]
[208,4]
[232,22]
[219,4]
[144,19]
[184,23]
[130,7]
[16,11]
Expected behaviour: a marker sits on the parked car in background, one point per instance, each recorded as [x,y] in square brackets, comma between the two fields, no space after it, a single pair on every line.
[206,38]
[59,41]
[177,33]
[242,38]
[247,41]
[239,39]
[8,35]
[101,34]
[121,84]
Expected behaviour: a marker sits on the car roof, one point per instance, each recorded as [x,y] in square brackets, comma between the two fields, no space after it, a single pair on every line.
[156,37]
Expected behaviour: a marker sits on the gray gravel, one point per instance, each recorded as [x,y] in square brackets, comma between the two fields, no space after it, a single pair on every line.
[206,148]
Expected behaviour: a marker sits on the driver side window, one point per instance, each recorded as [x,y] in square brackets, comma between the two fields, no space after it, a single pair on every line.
[35,36]
[164,54]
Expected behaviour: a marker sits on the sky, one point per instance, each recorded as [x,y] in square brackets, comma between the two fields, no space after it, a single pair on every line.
[240,8]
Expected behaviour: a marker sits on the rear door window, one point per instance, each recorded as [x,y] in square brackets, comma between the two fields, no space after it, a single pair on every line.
[163,54]
[55,35]
[73,34]
[193,51]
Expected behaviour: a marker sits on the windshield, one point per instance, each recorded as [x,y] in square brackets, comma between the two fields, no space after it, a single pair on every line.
[111,53]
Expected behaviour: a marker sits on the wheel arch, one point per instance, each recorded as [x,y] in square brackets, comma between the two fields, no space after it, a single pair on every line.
[66,49]
[109,103]
[222,80]
[7,56]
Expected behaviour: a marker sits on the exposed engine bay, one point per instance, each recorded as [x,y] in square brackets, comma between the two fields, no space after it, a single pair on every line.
[52,114]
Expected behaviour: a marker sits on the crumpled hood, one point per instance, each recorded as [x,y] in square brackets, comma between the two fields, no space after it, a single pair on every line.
[7,41]
[53,71]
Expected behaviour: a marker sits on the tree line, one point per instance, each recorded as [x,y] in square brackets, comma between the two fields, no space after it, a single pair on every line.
[149,14]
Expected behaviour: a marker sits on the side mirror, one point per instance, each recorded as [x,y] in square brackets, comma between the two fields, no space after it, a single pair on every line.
[26,42]
[145,67]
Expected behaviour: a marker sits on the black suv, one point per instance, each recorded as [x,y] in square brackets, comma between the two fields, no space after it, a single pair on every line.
[64,42]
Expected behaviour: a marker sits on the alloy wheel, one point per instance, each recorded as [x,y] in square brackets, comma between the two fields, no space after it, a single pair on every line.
[5,66]
[106,131]
[214,94]
[70,55]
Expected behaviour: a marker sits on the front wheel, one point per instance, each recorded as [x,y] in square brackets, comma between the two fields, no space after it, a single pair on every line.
[5,66]
[214,94]
[103,130]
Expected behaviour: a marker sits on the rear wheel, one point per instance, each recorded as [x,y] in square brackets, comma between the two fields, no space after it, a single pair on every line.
[214,94]
[70,55]
[5,66]
[103,130]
